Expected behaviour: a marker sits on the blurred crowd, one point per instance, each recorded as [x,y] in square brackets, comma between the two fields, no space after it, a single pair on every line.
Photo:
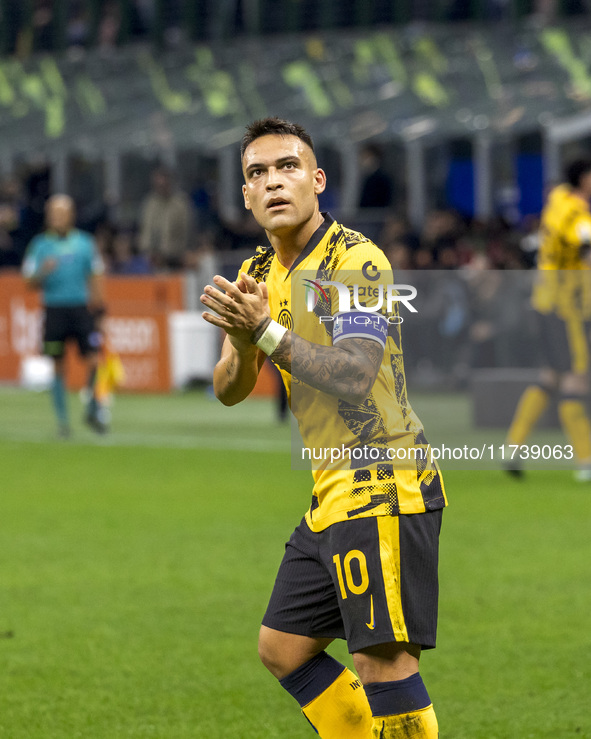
[473,276]
[177,230]
[448,241]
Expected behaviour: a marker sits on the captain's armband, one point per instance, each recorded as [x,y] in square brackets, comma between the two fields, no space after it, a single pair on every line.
[360,325]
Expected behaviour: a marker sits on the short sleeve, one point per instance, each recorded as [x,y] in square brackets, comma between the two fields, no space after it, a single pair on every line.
[367,275]
[32,259]
[244,267]
[366,266]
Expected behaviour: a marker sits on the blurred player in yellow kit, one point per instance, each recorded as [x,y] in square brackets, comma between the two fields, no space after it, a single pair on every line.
[561,298]
[362,564]
[110,374]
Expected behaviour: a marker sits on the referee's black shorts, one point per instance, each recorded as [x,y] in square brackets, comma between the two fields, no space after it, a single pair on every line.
[69,322]
[369,581]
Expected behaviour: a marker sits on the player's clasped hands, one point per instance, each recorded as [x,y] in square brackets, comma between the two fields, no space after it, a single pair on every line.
[238,307]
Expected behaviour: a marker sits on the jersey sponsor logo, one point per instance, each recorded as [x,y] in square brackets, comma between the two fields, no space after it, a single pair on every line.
[370,267]
[372,623]
[284,319]
[390,295]
[67,257]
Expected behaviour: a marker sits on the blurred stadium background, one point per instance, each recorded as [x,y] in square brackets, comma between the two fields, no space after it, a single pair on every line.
[135,567]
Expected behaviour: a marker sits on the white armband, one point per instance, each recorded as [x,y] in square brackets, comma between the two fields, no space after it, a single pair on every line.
[271,337]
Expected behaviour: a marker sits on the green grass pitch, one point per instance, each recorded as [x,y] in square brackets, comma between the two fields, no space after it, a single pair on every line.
[134,571]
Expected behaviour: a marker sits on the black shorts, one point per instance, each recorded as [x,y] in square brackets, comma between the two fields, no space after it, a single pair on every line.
[564,343]
[69,322]
[369,581]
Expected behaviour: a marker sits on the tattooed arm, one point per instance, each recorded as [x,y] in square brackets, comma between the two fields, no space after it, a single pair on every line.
[347,370]
[236,373]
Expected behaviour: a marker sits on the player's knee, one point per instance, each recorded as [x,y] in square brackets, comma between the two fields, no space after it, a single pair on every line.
[282,653]
[270,653]
[385,662]
[274,654]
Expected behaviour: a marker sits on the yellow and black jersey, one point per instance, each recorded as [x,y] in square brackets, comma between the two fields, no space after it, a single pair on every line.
[352,486]
[563,281]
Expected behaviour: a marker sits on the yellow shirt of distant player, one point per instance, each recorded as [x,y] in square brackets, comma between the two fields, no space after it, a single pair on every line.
[563,280]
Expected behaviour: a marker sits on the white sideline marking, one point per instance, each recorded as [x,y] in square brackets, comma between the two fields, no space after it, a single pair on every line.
[168,441]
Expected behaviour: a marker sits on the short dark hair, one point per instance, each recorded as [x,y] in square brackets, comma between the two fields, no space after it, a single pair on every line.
[577,169]
[274,126]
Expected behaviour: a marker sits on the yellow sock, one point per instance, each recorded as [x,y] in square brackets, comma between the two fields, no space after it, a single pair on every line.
[532,404]
[420,724]
[575,422]
[342,710]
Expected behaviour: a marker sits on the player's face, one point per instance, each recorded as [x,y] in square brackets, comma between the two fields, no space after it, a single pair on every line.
[60,214]
[283,182]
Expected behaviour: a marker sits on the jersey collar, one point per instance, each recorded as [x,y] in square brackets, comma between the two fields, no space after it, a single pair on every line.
[55,235]
[315,239]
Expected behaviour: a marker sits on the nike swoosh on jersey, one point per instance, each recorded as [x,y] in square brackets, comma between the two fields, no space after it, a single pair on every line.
[371,625]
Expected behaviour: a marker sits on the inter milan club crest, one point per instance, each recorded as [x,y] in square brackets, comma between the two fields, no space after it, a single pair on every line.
[284,318]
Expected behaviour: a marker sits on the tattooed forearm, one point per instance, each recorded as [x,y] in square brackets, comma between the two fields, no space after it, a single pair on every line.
[235,375]
[347,370]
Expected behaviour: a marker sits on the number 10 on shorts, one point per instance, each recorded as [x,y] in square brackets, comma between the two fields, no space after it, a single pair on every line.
[345,575]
